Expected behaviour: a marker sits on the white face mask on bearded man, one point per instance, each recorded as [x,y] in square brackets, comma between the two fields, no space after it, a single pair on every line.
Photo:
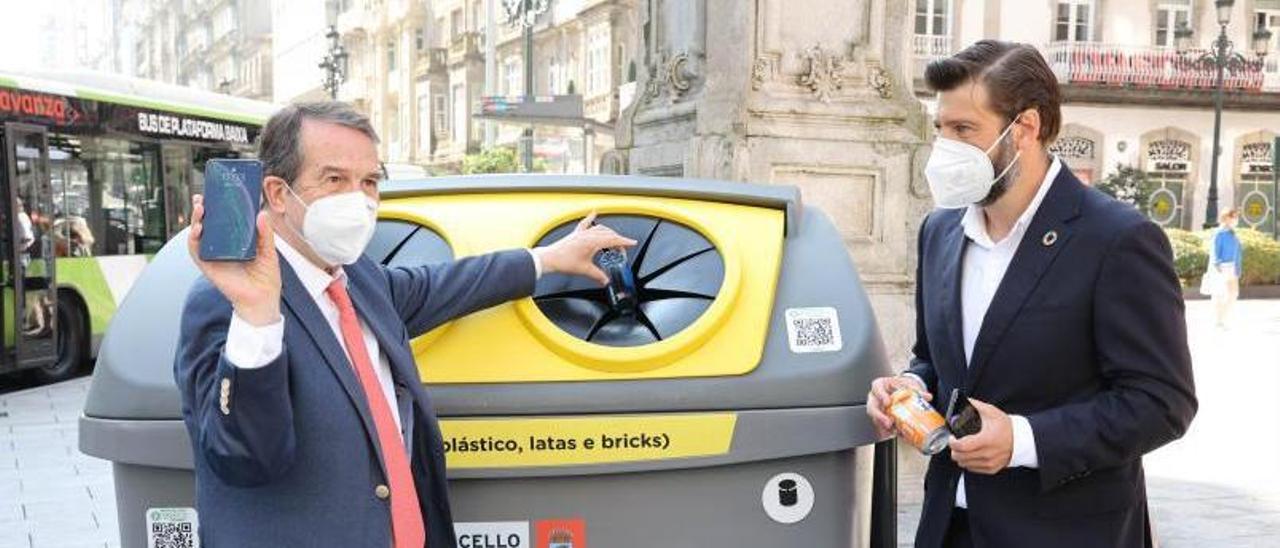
[961,174]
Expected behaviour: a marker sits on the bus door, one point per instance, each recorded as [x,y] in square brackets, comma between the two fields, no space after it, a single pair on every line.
[29,318]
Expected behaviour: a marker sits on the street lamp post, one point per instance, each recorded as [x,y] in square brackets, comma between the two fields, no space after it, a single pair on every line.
[334,64]
[1220,59]
[524,14]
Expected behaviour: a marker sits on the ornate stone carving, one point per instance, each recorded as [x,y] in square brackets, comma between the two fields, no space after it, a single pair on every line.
[881,83]
[761,71]
[671,76]
[823,75]
[679,75]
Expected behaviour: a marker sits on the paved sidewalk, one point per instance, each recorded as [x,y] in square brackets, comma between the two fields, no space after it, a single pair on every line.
[51,495]
[1219,486]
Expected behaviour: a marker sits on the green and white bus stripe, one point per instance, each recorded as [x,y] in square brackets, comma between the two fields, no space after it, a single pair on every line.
[102,282]
[146,94]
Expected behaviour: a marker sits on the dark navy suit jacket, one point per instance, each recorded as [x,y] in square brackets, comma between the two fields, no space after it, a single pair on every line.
[292,462]
[1086,338]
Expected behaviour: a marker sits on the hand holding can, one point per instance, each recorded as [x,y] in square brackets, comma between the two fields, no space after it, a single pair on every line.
[918,422]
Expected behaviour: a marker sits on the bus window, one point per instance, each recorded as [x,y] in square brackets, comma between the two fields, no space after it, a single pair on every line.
[69,177]
[130,214]
[177,185]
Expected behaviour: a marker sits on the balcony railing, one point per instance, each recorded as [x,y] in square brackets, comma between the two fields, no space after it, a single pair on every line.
[1097,64]
[434,60]
[931,46]
[467,43]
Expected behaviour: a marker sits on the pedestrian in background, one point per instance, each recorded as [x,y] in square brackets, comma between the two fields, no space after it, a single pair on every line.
[1225,264]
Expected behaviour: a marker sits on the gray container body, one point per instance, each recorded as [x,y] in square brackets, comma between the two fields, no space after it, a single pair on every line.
[796,414]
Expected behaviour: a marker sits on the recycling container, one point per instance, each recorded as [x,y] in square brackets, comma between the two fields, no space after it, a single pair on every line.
[711,395]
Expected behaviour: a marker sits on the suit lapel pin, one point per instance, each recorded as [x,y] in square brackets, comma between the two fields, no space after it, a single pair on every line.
[1050,238]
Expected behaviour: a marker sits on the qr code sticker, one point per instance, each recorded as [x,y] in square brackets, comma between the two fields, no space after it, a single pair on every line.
[813,330]
[172,528]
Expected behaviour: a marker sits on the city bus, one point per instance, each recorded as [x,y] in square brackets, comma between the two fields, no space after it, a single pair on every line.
[96,173]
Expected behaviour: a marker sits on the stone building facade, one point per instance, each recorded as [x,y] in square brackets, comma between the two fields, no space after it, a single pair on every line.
[750,91]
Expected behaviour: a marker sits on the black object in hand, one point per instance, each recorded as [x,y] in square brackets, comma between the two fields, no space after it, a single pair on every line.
[962,417]
[622,282]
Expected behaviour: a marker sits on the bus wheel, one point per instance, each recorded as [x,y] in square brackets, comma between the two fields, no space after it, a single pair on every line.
[71,347]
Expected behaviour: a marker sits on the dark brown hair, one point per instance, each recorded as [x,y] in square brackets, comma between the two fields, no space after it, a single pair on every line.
[280,144]
[1014,75]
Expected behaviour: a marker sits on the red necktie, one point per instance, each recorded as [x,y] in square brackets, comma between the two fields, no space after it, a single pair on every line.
[407,529]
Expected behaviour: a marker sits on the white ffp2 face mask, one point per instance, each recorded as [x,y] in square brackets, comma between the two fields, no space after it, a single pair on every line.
[339,226]
[961,174]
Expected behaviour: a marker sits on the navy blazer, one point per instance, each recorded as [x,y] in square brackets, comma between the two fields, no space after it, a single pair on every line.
[1086,338]
[288,457]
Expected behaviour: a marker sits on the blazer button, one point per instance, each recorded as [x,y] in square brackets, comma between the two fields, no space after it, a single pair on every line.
[382,492]
[224,396]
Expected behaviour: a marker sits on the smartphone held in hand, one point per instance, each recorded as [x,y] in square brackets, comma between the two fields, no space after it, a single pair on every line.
[232,195]
[962,416]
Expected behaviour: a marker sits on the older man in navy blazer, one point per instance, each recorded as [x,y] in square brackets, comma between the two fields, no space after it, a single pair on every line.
[1054,307]
[309,423]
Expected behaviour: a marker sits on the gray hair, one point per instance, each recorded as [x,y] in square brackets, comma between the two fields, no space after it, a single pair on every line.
[280,144]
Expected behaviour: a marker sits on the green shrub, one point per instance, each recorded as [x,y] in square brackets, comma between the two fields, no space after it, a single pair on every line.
[494,160]
[1191,255]
[502,159]
[1129,185]
[1261,257]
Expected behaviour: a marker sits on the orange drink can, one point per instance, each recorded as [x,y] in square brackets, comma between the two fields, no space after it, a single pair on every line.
[918,421]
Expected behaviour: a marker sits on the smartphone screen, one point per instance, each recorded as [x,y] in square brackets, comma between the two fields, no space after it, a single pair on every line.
[232,194]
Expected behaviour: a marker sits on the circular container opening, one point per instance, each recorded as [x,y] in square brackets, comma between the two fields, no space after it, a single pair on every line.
[677,273]
[402,243]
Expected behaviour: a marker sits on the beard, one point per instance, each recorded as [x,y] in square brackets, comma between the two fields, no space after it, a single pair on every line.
[1004,158]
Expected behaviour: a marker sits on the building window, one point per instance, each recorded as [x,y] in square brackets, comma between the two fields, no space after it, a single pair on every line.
[1171,14]
[1269,19]
[511,77]
[224,22]
[621,62]
[424,121]
[553,77]
[393,125]
[419,39]
[339,6]
[391,55]
[932,17]
[597,61]
[456,29]
[440,115]
[1074,21]
[459,99]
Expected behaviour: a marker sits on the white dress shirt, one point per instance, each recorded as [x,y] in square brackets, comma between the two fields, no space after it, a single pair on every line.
[985,263]
[250,346]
